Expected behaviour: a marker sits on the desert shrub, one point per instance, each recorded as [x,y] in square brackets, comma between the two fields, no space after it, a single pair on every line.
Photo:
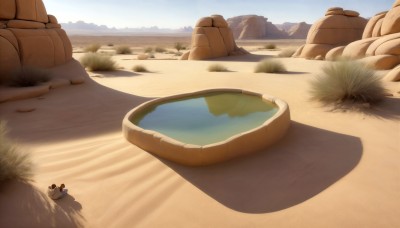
[139,68]
[110,44]
[142,57]
[285,53]
[347,80]
[98,62]
[123,50]
[270,66]
[270,46]
[178,46]
[160,49]
[151,56]
[15,164]
[92,48]
[217,68]
[178,53]
[29,76]
[148,50]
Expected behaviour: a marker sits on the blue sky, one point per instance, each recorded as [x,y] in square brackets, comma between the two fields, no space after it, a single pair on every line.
[179,13]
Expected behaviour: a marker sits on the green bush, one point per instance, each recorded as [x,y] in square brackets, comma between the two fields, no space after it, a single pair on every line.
[217,68]
[270,66]
[270,46]
[14,163]
[123,50]
[92,48]
[347,80]
[140,68]
[29,76]
[287,53]
[98,62]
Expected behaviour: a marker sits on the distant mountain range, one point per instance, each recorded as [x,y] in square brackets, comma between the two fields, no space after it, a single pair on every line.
[243,27]
[83,28]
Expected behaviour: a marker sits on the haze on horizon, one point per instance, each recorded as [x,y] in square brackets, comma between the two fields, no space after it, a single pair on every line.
[180,13]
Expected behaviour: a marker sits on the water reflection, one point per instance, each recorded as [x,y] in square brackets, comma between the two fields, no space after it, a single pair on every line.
[207,119]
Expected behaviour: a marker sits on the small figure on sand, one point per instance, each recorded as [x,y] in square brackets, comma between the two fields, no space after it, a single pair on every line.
[55,192]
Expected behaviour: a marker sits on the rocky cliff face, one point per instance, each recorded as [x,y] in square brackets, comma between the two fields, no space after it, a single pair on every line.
[258,27]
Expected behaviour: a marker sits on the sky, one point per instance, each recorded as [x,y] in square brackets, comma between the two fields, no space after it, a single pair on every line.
[180,13]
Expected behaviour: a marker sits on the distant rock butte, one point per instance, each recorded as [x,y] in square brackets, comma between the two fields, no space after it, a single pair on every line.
[30,37]
[258,27]
[212,38]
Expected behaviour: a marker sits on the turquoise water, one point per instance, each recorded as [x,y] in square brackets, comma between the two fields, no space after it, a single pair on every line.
[206,119]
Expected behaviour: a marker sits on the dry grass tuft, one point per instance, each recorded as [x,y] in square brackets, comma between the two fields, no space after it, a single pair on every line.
[287,53]
[123,50]
[14,163]
[142,57]
[148,50]
[92,48]
[98,62]
[347,81]
[29,76]
[270,66]
[270,46]
[217,68]
[160,49]
[139,68]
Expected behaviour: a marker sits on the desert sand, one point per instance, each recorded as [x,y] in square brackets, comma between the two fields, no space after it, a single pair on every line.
[332,169]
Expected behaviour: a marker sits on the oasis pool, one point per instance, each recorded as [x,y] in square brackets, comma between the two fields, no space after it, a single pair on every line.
[207,126]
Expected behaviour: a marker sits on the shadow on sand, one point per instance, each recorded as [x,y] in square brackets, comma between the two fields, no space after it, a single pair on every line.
[23,205]
[116,74]
[304,163]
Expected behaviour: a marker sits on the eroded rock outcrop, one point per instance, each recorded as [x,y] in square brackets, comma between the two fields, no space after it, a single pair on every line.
[338,28]
[212,38]
[380,43]
[30,37]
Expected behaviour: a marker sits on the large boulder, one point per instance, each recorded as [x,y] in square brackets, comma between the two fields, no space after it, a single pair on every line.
[338,28]
[30,37]
[212,38]
[373,27]
[380,43]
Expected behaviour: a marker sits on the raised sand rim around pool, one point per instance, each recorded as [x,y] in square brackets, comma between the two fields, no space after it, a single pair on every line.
[195,152]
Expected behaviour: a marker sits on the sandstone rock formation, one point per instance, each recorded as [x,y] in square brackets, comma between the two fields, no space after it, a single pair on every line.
[339,27]
[380,43]
[249,27]
[212,38]
[30,37]
[299,31]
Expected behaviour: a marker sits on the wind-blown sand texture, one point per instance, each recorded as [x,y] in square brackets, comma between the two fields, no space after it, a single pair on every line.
[332,169]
